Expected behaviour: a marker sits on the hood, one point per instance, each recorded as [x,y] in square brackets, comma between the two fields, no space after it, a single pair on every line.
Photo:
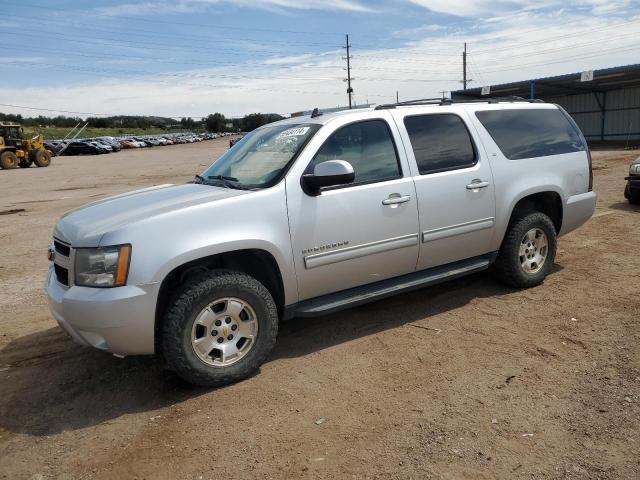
[85,226]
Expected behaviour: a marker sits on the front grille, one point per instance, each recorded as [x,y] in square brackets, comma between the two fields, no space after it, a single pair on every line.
[62,261]
[62,274]
[61,248]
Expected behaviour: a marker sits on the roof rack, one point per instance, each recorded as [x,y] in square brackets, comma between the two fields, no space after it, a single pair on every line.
[449,101]
[316,113]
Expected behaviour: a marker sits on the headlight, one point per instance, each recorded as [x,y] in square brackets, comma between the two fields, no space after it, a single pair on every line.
[634,169]
[102,267]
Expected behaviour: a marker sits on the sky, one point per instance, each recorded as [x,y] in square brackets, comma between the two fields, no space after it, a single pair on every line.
[177,58]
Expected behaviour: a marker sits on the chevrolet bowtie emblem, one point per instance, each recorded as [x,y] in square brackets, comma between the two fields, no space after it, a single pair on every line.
[225,330]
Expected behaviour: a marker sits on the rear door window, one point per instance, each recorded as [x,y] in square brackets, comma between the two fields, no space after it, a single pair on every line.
[440,142]
[528,133]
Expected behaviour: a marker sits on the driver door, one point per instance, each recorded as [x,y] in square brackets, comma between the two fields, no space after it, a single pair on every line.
[359,233]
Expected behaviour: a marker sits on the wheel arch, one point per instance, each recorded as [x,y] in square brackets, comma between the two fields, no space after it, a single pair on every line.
[255,262]
[547,201]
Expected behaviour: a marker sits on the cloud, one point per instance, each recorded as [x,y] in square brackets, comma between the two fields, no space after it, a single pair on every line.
[469,8]
[503,47]
[184,6]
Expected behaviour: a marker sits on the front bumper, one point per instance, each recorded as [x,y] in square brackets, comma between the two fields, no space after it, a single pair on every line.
[633,185]
[577,210]
[119,320]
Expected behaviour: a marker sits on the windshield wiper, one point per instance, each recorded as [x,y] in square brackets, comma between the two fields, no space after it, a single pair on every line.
[228,182]
[222,177]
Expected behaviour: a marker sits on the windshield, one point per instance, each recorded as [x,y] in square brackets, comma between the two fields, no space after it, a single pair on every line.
[261,157]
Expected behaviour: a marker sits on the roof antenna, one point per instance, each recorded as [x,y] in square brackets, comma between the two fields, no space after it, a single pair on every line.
[316,113]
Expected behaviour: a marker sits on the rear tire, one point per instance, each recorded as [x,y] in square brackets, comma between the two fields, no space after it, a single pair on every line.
[205,325]
[41,158]
[528,251]
[8,160]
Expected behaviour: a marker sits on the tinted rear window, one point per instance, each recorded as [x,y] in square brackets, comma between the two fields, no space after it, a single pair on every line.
[528,133]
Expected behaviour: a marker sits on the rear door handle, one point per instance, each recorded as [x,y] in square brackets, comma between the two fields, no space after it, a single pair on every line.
[396,199]
[477,184]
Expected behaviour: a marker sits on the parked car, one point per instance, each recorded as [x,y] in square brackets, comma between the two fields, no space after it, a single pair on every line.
[104,148]
[128,143]
[632,190]
[82,148]
[112,142]
[311,215]
[51,147]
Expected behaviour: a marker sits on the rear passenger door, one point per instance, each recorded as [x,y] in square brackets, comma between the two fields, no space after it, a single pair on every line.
[454,186]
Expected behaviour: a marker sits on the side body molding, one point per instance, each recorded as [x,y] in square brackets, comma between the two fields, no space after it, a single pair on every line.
[349,253]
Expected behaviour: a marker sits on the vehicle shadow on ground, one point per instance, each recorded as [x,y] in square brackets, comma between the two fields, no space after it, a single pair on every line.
[301,336]
[625,207]
[52,385]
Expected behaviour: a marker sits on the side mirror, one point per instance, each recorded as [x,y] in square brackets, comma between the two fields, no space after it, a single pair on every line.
[328,174]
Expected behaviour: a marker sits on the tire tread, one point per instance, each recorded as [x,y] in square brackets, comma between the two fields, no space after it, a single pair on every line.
[176,316]
[506,268]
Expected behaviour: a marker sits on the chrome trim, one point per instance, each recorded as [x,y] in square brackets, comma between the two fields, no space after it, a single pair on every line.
[395,200]
[477,185]
[357,251]
[64,262]
[460,229]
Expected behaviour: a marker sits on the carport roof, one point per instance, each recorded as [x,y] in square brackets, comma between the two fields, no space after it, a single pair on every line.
[604,80]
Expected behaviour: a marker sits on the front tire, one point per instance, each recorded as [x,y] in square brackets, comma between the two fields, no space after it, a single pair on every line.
[219,329]
[528,251]
[632,196]
[8,160]
[41,158]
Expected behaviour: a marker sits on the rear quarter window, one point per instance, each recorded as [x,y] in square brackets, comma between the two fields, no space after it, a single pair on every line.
[528,133]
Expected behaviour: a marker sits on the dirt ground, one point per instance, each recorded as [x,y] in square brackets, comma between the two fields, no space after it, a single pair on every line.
[466,380]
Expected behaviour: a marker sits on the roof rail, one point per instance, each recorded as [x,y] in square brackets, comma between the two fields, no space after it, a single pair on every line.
[449,101]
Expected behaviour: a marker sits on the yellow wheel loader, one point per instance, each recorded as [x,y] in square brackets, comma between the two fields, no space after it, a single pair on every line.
[17,151]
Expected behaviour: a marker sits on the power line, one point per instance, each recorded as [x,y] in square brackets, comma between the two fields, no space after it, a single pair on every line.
[563,60]
[173,37]
[556,37]
[167,74]
[102,55]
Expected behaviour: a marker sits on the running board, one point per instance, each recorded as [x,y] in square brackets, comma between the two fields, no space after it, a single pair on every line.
[353,297]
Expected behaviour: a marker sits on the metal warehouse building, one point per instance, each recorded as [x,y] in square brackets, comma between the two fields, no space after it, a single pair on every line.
[604,103]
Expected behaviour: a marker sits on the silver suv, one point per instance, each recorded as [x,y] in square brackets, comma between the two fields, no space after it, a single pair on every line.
[315,214]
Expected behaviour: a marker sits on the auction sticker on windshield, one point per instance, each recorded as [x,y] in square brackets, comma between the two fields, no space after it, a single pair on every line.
[294,132]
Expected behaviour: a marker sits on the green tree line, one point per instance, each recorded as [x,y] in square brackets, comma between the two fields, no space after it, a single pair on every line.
[216,122]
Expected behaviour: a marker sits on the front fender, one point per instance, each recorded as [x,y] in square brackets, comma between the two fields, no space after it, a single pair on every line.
[256,220]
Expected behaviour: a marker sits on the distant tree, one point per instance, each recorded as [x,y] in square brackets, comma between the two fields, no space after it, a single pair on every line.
[215,123]
[188,123]
[255,120]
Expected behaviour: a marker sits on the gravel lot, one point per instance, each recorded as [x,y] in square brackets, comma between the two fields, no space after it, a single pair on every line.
[469,379]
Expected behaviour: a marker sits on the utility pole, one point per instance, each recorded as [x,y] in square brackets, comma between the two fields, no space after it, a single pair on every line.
[397,96]
[464,67]
[348,79]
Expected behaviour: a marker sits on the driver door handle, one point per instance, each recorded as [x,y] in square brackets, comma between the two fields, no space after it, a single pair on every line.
[395,199]
[477,184]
